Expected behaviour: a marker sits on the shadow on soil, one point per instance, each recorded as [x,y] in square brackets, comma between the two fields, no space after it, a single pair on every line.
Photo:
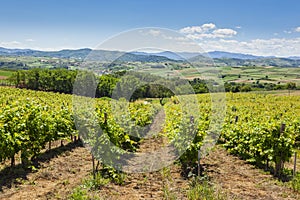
[11,176]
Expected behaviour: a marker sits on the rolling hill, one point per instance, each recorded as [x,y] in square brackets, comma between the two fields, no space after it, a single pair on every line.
[219,58]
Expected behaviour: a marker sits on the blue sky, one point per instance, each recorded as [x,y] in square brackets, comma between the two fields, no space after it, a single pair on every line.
[261,27]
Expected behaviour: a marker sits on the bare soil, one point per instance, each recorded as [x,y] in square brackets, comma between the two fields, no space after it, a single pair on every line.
[242,180]
[153,185]
[61,169]
[150,176]
[61,173]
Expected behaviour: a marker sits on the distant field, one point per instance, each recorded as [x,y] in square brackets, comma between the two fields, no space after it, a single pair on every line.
[279,92]
[249,74]
[242,74]
[25,62]
[4,74]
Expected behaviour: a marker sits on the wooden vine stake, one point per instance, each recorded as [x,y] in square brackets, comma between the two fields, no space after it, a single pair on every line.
[94,168]
[199,166]
[12,161]
[281,158]
[236,119]
[105,118]
[295,164]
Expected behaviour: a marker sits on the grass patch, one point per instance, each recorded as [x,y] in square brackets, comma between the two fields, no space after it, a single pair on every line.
[203,189]
[6,73]
[84,191]
[295,183]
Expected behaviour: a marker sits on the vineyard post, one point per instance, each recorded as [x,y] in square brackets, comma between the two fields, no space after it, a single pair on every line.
[236,119]
[199,156]
[295,164]
[281,159]
[282,128]
[105,118]
[12,161]
[94,170]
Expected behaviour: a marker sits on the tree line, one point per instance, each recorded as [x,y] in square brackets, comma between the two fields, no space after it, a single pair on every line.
[132,85]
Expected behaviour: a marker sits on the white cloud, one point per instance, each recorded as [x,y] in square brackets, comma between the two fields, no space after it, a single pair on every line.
[224,33]
[288,32]
[199,36]
[218,33]
[154,33]
[11,44]
[197,29]
[30,40]
[208,26]
[222,39]
[281,47]
[191,29]
[175,38]
[207,31]
[150,32]
[297,29]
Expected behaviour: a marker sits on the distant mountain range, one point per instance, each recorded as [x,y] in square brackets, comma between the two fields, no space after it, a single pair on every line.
[93,55]
[188,55]
[294,57]
[222,54]
[219,57]
[80,53]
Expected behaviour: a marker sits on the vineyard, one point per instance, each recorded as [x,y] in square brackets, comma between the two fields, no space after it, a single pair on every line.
[262,129]
[30,120]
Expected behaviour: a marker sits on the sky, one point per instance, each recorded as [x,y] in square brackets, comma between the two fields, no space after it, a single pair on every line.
[258,27]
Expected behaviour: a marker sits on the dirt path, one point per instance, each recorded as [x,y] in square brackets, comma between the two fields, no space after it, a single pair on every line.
[55,179]
[154,152]
[242,180]
[155,185]
[158,180]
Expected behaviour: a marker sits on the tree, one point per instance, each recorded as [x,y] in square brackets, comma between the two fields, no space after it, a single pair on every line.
[246,88]
[290,86]
[106,85]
